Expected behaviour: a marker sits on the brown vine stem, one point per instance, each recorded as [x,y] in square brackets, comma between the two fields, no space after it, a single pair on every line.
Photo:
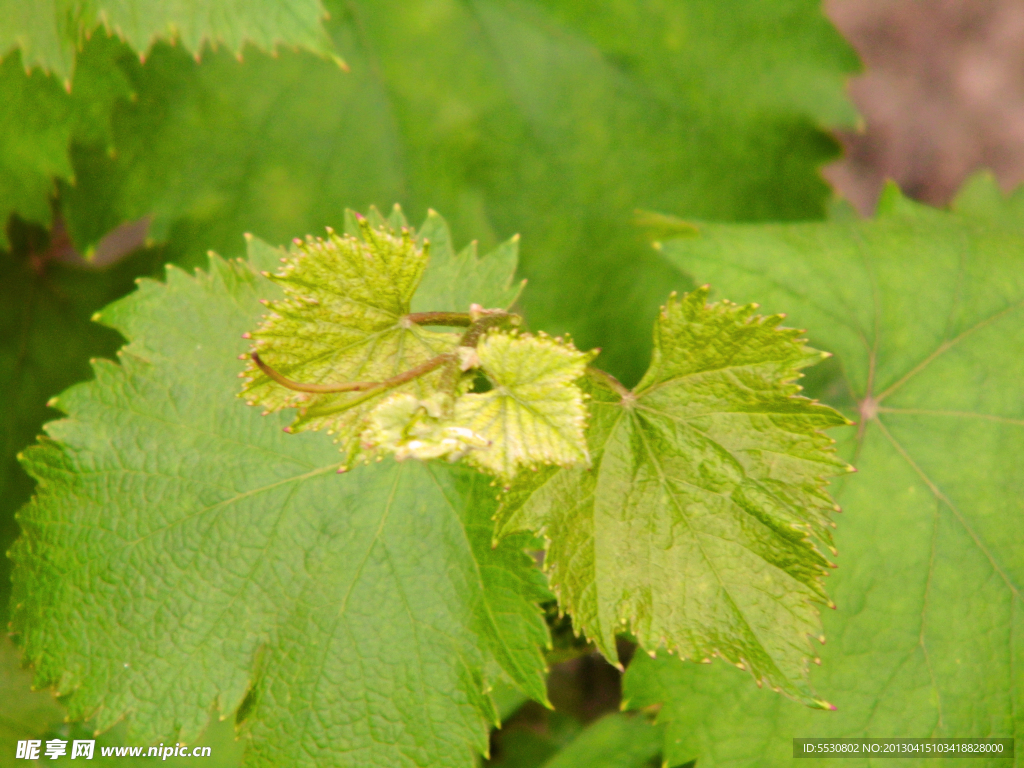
[482,323]
[477,326]
[355,386]
[461,319]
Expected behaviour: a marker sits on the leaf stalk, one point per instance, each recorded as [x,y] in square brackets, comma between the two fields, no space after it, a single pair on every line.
[610,381]
[456,319]
[355,386]
[477,323]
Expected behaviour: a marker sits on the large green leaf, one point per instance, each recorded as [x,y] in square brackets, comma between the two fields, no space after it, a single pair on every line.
[561,741]
[24,713]
[456,280]
[37,123]
[981,198]
[614,741]
[46,341]
[555,118]
[183,552]
[277,146]
[35,127]
[28,714]
[696,529]
[50,33]
[925,312]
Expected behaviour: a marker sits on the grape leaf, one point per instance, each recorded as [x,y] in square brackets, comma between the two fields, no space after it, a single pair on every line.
[421,429]
[343,320]
[554,119]
[981,198]
[456,280]
[49,34]
[24,713]
[25,717]
[272,145]
[534,414]
[693,531]
[34,133]
[183,552]
[38,121]
[614,741]
[925,313]
[46,341]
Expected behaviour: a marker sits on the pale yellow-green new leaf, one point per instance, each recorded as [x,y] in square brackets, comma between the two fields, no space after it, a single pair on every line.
[343,319]
[416,429]
[535,413]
